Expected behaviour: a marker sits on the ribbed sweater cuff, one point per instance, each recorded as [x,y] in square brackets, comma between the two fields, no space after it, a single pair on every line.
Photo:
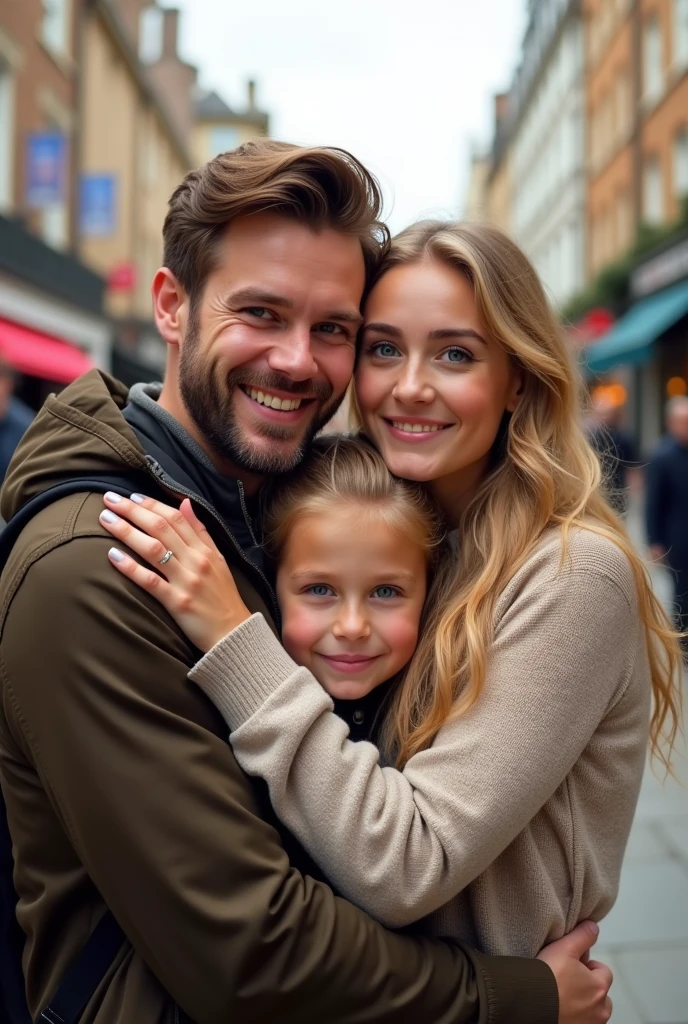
[240,672]
[520,991]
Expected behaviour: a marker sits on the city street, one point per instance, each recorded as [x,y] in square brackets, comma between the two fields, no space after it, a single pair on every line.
[645,938]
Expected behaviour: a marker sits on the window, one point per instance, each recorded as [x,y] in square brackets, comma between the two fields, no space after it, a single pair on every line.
[680,33]
[6,134]
[653,66]
[223,139]
[150,35]
[653,192]
[681,164]
[55,26]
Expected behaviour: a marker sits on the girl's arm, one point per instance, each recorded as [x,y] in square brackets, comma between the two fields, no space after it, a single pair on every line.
[403,843]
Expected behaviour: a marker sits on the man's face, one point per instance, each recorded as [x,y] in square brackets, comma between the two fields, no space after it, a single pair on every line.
[269,346]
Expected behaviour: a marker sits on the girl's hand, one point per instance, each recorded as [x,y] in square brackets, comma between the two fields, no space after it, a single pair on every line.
[198,589]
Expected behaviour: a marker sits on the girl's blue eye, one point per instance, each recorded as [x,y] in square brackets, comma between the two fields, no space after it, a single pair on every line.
[385,349]
[319,590]
[385,592]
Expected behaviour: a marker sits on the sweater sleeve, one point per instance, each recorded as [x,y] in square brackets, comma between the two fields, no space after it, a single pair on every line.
[403,843]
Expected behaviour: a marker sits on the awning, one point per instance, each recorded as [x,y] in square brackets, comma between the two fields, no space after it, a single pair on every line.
[632,337]
[39,355]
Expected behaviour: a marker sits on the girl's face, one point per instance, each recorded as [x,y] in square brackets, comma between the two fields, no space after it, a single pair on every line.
[351,592]
[431,384]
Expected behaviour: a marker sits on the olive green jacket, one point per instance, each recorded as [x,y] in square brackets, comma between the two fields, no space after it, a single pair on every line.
[121,790]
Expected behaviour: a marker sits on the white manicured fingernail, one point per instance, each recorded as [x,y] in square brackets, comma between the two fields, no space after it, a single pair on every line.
[138,498]
[109,517]
[114,498]
[116,555]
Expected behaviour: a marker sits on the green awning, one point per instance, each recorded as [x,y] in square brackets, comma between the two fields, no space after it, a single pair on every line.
[631,338]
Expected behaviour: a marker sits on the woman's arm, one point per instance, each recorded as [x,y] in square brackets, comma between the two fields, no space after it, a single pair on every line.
[401,844]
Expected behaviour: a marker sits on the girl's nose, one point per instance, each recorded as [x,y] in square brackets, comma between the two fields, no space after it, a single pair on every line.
[411,388]
[352,624]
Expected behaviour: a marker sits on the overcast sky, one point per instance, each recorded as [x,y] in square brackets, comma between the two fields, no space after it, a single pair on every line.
[406,86]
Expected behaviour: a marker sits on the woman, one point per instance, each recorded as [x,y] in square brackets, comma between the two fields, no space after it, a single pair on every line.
[519,732]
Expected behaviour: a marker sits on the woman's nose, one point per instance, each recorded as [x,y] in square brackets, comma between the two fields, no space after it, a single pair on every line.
[411,387]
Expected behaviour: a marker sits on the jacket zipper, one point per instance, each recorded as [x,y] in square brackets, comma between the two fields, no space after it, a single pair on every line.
[176,1014]
[247,518]
[160,474]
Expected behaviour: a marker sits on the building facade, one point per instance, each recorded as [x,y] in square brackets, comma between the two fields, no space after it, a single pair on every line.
[547,144]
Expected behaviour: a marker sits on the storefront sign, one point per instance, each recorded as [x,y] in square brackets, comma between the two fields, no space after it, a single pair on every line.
[122,278]
[663,270]
[45,169]
[97,205]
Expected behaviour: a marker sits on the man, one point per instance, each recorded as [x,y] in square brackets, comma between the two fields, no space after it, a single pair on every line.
[667,503]
[15,418]
[616,451]
[121,788]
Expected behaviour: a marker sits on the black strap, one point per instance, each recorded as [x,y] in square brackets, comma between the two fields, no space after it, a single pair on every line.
[90,965]
[85,973]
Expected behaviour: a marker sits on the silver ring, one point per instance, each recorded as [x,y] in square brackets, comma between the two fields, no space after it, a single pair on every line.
[166,557]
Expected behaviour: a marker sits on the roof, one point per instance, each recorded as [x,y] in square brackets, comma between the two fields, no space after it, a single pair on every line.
[211,107]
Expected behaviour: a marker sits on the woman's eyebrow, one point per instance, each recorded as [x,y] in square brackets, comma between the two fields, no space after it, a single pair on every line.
[455,332]
[383,328]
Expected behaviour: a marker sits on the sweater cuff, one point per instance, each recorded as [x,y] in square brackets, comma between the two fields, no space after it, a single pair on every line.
[519,990]
[240,672]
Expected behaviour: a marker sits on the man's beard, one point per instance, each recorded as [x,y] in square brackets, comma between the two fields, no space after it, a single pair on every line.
[211,407]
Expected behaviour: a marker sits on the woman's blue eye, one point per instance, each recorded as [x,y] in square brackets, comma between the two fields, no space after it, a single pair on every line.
[384,349]
[457,355]
[386,592]
[319,590]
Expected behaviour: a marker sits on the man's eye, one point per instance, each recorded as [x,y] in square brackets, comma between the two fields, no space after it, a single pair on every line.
[320,590]
[327,328]
[260,312]
[385,349]
[385,592]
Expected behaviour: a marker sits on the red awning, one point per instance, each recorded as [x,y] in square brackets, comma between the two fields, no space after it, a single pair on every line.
[39,355]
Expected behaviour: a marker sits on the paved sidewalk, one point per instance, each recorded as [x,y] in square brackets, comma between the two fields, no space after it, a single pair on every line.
[645,938]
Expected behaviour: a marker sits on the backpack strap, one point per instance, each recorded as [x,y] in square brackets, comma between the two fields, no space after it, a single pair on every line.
[90,965]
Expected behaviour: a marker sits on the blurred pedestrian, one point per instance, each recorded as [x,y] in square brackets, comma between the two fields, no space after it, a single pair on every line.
[667,503]
[616,450]
[15,417]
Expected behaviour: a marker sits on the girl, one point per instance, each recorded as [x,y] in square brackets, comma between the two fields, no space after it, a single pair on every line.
[519,730]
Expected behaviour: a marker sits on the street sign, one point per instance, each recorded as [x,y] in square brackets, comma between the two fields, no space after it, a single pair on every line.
[45,169]
[97,205]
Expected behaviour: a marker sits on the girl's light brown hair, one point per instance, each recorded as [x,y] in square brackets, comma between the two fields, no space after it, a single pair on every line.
[322,187]
[545,474]
[348,472]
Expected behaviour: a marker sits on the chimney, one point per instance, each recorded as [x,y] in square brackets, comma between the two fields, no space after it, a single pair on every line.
[169,32]
[251,94]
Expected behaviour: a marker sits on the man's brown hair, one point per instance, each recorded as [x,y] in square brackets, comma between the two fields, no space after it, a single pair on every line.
[323,187]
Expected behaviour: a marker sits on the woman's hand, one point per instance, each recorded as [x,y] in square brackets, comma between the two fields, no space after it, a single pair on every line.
[583,984]
[196,586]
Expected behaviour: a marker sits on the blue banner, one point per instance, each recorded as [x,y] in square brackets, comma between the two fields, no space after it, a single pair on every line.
[97,205]
[46,169]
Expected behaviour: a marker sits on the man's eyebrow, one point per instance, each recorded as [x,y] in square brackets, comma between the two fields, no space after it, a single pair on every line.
[348,316]
[258,297]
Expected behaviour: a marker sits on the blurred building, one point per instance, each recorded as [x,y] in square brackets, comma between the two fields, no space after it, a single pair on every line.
[134,148]
[218,128]
[536,183]
[637,56]
[52,320]
[475,207]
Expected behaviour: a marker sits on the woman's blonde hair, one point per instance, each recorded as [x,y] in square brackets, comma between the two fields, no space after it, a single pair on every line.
[544,474]
[349,472]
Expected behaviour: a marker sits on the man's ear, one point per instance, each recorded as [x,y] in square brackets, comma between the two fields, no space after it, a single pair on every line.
[170,306]
[515,389]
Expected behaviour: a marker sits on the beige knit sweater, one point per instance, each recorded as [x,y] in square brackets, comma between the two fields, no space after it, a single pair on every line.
[512,826]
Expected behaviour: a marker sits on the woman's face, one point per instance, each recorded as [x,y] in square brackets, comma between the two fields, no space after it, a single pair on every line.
[431,384]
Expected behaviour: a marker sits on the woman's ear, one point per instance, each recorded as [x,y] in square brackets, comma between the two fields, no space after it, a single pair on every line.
[515,389]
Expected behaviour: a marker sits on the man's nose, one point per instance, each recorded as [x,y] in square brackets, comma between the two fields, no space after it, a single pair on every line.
[292,355]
